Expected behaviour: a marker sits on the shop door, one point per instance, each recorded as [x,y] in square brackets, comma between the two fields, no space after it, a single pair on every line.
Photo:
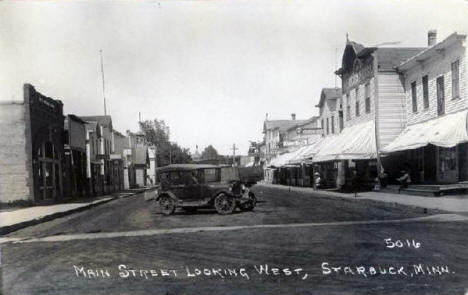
[430,164]
[463,162]
[447,165]
[48,173]
[440,96]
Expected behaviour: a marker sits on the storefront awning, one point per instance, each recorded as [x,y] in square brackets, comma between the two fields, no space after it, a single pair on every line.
[283,159]
[312,149]
[353,143]
[298,155]
[446,131]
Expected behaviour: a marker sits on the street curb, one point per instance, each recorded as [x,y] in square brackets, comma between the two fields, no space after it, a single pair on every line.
[345,196]
[14,227]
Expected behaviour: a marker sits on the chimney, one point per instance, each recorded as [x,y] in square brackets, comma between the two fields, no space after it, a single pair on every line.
[293,116]
[431,37]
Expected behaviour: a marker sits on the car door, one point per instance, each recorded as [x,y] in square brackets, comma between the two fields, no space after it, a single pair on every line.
[192,189]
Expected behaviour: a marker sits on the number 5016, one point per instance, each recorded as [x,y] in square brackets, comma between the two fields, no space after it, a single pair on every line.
[401,243]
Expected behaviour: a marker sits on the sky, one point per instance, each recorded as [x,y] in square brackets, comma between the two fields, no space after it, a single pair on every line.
[211,70]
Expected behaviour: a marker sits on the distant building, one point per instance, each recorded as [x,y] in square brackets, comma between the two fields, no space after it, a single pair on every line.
[75,180]
[331,111]
[275,135]
[196,157]
[105,141]
[31,148]
[94,165]
[151,171]
[139,160]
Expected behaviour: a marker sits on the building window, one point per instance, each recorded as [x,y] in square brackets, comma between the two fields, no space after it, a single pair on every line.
[332,124]
[323,125]
[455,79]
[414,97]
[328,130]
[440,95]
[348,108]
[425,82]
[367,93]
[357,102]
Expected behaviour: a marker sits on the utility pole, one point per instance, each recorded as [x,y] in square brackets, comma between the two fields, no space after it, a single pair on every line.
[103,83]
[336,53]
[234,154]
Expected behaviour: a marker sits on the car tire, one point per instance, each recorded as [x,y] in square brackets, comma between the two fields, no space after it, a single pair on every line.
[167,205]
[224,204]
[250,204]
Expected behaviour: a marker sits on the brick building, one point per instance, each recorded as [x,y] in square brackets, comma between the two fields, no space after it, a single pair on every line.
[31,148]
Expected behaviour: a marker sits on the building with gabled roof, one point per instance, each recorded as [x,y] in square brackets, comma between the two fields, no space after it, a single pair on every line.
[330,114]
[434,143]
[275,135]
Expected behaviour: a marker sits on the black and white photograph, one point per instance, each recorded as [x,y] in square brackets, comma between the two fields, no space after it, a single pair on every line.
[240,147]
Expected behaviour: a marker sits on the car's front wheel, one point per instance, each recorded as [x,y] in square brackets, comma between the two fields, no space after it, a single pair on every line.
[224,204]
[250,204]
[167,205]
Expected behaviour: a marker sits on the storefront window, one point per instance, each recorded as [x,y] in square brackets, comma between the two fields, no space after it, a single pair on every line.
[447,159]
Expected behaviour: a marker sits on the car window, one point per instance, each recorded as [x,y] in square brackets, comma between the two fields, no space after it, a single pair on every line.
[211,175]
[177,177]
[191,177]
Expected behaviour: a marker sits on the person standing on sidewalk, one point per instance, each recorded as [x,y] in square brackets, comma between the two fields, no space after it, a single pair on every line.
[317,180]
[404,180]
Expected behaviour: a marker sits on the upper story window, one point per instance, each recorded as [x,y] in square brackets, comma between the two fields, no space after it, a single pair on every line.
[414,98]
[425,84]
[456,79]
[348,107]
[332,124]
[328,129]
[367,93]
[357,102]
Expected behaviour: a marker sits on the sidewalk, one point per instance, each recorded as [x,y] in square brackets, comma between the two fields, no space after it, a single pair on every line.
[445,203]
[14,219]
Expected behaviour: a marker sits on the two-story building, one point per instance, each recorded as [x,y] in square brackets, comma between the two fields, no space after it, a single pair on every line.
[276,134]
[373,110]
[330,111]
[104,149]
[75,180]
[94,165]
[433,146]
[277,146]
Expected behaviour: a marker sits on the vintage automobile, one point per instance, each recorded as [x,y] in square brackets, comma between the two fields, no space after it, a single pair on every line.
[194,186]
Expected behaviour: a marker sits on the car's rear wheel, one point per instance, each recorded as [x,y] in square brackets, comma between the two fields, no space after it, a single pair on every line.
[224,204]
[167,205]
[250,204]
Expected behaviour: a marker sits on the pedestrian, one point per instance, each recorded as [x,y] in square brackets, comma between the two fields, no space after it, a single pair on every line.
[383,178]
[404,180]
[317,180]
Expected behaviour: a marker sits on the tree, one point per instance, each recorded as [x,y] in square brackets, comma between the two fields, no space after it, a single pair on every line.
[157,133]
[209,153]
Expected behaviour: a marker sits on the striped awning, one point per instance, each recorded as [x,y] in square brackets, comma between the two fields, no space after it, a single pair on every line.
[445,131]
[353,143]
